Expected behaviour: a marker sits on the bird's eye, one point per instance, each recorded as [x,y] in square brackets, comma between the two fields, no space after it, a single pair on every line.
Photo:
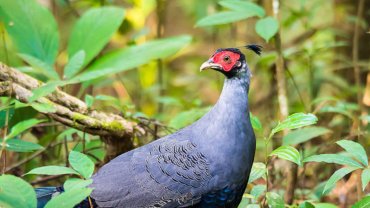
[227,58]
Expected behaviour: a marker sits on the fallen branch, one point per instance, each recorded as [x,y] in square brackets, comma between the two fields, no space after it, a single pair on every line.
[69,110]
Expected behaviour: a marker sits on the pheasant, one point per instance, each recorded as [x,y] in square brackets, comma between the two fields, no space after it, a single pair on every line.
[206,164]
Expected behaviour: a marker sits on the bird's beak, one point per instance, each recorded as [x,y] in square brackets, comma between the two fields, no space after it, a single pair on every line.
[210,65]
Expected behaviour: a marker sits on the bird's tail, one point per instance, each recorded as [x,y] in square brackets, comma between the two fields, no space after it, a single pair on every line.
[44,194]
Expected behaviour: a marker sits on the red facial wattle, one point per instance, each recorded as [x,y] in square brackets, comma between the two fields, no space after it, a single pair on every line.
[226,59]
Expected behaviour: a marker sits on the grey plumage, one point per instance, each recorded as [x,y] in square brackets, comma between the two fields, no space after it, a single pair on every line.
[206,164]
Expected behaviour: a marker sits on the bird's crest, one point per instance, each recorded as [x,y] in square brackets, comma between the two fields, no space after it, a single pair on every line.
[255,48]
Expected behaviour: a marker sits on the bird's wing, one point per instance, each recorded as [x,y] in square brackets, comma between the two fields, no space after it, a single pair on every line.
[172,170]
[165,173]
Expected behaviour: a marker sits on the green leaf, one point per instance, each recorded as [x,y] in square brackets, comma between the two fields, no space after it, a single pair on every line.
[89,100]
[363,203]
[74,65]
[40,66]
[52,170]
[93,31]
[18,145]
[325,205]
[257,190]
[81,163]
[15,192]
[354,149]
[306,204]
[365,178]
[337,175]
[244,6]
[127,58]
[288,153]
[274,200]
[222,18]
[258,170]
[45,90]
[295,121]
[302,135]
[267,28]
[69,199]
[256,123]
[43,107]
[22,126]
[187,117]
[32,28]
[76,183]
[333,158]
[3,116]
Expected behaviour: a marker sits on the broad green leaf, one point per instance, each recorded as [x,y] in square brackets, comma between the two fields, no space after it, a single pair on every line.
[45,90]
[274,200]
[258,170]
[18,145]
[89,100]
[3,115]
[43,107]
[128,58]
[52,170]
[69,199]
[15,192]
[76,183]
[363,203]
[306,204]
[337,175]
[267,28]
[295,121]
[325,205]
[223,18]
[22,126]
[258,190]
[40,66]
[32,28]
[333,158]
[303,135]
[244,6]
[74,65]
[81,163]
[93,31]
[354,149]
[187,117]
[288,153]
[256,123]
[365,178]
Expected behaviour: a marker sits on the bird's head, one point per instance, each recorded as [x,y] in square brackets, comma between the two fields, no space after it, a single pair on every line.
[229,61]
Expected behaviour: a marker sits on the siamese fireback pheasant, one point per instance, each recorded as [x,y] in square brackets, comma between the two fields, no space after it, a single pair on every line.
[206,164]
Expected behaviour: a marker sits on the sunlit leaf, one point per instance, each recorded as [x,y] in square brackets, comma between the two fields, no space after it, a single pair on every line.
[363,203]
[74,65]
[18,145]
[325,205]
[244,6]
[337,175]
[81,163]
[258,171]
[69,199]
[22,126]
[306,204]
[89,100]
[45,90]
[223,18]
[295,121]
[258,190]
[52,170]
[365,178]
[267,28]
[303,135]
[40,66]
[76,183]
[256,123]
[15,192]
[43,107]
[93,31]
[32,27]
[333,158]
[288,153]
[354,149]
[274,200]
[128,58]
[187,117]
